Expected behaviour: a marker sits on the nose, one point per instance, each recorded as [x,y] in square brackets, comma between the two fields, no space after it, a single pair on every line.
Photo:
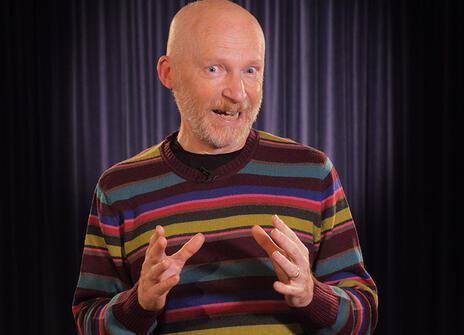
[235,89]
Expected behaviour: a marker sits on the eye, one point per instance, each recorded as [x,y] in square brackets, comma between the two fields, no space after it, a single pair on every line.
[251,70]
[213,69]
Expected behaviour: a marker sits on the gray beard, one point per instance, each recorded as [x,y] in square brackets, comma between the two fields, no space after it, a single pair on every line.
[227,136]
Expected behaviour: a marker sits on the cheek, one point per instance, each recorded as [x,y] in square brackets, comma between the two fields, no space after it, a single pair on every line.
[206,92]
[254,91]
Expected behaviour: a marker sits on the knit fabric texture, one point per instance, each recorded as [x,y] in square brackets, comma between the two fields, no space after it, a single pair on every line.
[226,287]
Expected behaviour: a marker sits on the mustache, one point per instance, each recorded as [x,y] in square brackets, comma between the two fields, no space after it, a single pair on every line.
[231,107]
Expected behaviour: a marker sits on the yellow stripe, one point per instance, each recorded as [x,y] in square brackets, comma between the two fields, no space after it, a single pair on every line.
[97,241]
[271,137]
[357,284]
[238,221]
[339,217]
[255,330]
[146,154]
[233,222]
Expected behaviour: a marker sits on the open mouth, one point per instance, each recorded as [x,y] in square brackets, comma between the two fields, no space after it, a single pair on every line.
[226,114]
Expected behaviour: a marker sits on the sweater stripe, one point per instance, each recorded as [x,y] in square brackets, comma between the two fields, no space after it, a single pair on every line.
[225,308]
[224,270]
[343,260]
[288,170]
[227,286]
[282,329]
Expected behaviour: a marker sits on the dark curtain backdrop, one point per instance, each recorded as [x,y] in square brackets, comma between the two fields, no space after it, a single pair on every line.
[372,83]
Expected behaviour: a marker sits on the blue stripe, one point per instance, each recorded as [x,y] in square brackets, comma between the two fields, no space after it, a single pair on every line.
[109,285]
[361,300]
[170,180]
[223,270]
[289,170]
[221,192]
[335,264]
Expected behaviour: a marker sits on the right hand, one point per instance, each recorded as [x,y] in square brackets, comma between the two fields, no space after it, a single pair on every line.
[160,273]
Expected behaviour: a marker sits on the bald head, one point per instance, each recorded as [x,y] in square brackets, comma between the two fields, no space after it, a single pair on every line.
[199,19]
[214,67]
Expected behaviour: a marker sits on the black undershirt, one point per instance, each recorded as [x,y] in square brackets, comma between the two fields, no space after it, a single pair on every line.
[203,162]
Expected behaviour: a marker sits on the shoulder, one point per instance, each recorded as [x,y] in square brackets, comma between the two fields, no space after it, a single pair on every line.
[138,167]
[293,150]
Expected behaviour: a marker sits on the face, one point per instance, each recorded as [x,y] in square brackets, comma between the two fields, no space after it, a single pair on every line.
[218,89]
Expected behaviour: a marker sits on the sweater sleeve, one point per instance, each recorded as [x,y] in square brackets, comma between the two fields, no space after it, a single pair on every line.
[105,299]
[345,295]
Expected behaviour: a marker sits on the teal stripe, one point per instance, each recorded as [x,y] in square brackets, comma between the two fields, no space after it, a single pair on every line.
[144,186]
[343,313]
[105,284]
[261,267]
[112,325]
[288,170]
[337,263]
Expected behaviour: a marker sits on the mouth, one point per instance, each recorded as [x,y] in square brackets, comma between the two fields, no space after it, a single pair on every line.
[226,114]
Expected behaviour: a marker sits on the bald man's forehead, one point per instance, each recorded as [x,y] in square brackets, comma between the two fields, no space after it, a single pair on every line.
[224,35]
[213,21]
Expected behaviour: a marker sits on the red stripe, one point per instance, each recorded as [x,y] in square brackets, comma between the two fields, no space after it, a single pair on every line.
[222,202]
[226,308]
[93,219]
[101,321]
[358,311]
[337,195]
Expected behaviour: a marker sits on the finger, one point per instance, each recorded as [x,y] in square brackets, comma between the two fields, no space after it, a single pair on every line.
[290,269]
[287,289]
[265,241]
[157,270]
[292,250]
[157,252]
[166,285]
[190,248]
[159,231]
[280,224]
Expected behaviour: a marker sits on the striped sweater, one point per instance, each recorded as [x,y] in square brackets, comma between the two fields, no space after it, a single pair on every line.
[226,288]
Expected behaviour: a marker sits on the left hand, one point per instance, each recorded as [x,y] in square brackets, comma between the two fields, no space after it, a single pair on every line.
[290,258]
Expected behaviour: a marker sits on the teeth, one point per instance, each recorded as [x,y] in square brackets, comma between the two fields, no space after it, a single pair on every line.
[217,111]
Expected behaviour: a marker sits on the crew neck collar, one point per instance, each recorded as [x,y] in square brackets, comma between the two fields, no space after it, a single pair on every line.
[223,171]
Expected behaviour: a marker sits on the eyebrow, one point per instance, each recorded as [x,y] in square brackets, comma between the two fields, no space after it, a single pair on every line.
[213,60]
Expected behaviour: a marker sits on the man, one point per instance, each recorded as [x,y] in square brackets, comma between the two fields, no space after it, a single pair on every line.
[221,229]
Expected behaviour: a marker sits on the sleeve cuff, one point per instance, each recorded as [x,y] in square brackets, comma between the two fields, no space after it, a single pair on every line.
[322,310]
[131,315]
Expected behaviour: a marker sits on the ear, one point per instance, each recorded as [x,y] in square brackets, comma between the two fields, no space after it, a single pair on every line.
[164,71]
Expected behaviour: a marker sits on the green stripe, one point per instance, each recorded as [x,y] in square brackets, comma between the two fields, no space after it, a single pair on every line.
[260,267]
[289,170]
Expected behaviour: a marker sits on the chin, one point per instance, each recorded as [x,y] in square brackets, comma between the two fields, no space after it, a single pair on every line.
[220,139]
